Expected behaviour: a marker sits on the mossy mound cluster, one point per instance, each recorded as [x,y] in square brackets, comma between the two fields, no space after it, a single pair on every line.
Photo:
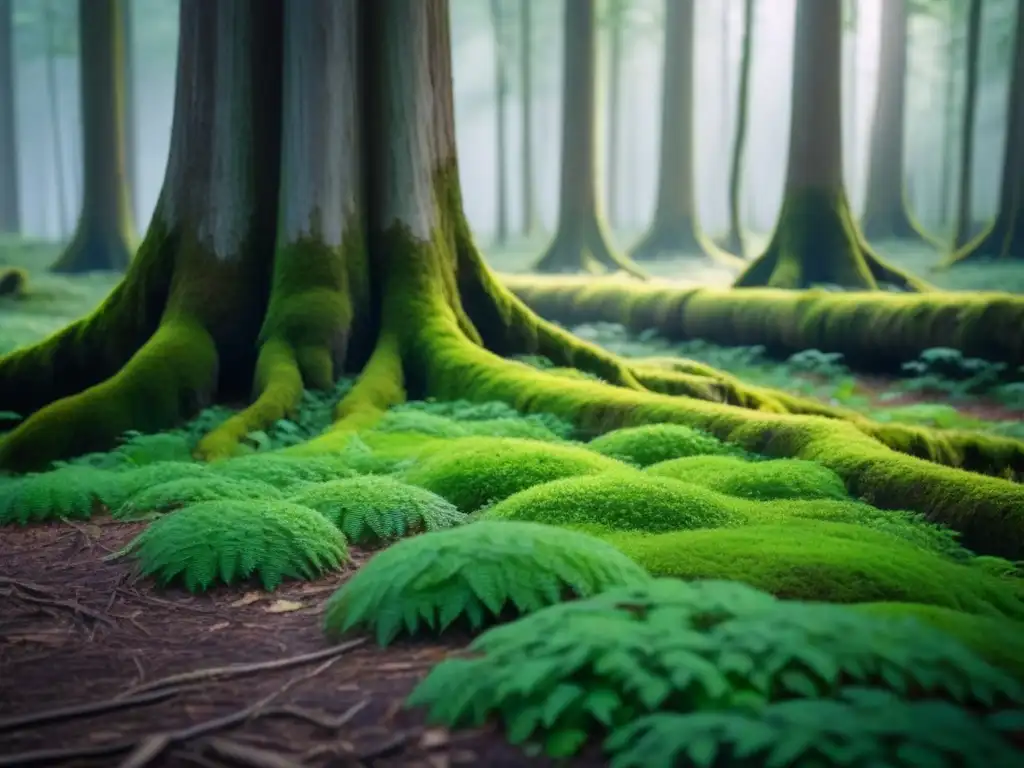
[776,479]
[655,443]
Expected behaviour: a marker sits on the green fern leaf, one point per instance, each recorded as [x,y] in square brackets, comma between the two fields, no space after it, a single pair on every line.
[69,492]
[192,490]
[283,471]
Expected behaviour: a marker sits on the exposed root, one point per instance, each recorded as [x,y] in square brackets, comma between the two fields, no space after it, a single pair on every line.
[1003,240]
[682,239]
[585,248]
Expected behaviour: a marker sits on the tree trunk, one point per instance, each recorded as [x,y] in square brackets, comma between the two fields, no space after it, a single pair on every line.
[734,238]
[674,230]
[582,241]
[501,123]
[948,118]
[1005,238]
[529,226]
[816,239]
[104,225]
[255,275]
[614,109]
[10,215]
[965,201]
[885,206]
[130,132]
[56,123]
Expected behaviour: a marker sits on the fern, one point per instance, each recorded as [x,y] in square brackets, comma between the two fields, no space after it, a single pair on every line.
[861,727]
[233,540]
[671,646]
[369,510]
[283,471]
[72,492]
[191,490]
[474,572]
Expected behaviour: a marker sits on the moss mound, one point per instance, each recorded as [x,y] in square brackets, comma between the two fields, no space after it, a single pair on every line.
[370,510]
[68,492]
[476,472]
[13,281]
[761,480]
[284,471]
[655,443]
[832,562]
[623,501]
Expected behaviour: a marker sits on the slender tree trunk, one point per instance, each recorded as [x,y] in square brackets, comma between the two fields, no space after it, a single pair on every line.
[885,209]
[948,119]
[851,107]
[101,239]
[130,132]
[56,123]
[582,241]
[1005,238]
[734,239]
[965,169]
[529,226]
[501,91]
[614,110]
[10,215]
[725,8]
[816,239]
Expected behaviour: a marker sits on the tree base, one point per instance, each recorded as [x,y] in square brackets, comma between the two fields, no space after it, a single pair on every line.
[817,243]
[585,249]
[682,238]
[1003,240]
[92,250]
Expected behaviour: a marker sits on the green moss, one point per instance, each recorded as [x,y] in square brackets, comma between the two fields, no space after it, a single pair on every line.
[778,479]
[655,443]
[832,562]
[623,501]
[475,472]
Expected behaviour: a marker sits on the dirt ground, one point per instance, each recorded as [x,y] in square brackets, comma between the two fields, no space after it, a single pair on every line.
[162,671]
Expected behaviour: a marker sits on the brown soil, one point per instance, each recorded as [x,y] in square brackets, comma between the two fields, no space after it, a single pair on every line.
[76,630]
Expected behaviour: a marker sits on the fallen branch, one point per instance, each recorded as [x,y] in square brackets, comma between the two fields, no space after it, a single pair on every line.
[319,719]
[70,605]
[63,714]
[251,756]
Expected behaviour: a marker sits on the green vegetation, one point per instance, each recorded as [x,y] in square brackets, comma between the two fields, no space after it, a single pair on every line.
[777,479]
[654,443]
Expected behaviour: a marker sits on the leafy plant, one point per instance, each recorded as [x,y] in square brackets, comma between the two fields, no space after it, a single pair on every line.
[192,490]
[474,572]
[233,540]
[72,492]
[576,669]
[372,509]
[283,471]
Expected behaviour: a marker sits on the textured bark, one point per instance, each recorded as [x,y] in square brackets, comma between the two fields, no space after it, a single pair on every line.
[104,226]
[501,93]
[581,242]
[128,112]
[885,210]
[10,215]
[964,217]
[734,238]
[56,123]
[617,22]
[529,225]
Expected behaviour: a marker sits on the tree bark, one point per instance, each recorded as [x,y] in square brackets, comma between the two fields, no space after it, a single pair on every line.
[616,23]
[734,238]
[816,239]
[948,118]
[130,132]
[885,206]
[965,200]
[501,91]
[10,212]
[529,225]
[582,241]
[56,123]
[1005,238]
[104,226]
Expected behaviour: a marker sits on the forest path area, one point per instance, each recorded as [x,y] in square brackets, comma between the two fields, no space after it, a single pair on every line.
[77,630]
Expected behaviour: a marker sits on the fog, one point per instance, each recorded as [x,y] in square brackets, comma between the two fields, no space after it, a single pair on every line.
[50,142]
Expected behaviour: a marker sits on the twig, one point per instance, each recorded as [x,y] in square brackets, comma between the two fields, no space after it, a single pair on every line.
[251,756]
[388,748]
[147,750]
[63,714]
[71,605]
[319,719]
[26,586]
[237,670]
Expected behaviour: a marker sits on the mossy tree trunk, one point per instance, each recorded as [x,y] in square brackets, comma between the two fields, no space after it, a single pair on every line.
[101,237]
[1005,238]
[582,242]
[311,224]
[968,117]
[674,230]
[529,213]
[734,237]
[886,215]
[10,214]
[816,239]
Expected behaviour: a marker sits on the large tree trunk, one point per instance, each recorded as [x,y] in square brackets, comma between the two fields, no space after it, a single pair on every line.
[816,239]
[616,30]
[10,216]
[104,226]
[582,242]
[255,273]
[965,168]
[1005,238]
[734,238]
[885,208]
[529,225]
[674,230]
[501,123]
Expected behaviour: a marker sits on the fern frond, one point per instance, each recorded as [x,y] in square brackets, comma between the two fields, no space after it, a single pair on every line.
[283,471]
[192,490]
[231,540]
[372,509]
[474,572]
[672,646]
[72,492]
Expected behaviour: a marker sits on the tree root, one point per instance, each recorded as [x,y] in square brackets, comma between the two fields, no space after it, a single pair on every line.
[1002,240]
[682,239]
[585,249]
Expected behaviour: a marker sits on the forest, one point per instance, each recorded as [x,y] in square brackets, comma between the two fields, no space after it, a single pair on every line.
[512,382]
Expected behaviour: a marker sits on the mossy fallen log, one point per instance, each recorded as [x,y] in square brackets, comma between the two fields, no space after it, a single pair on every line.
[873,330]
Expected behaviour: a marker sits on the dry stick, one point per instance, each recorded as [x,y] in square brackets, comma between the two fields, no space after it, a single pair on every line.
[319,719]
[251,756]
[236,670]
[70,605]
[63,714]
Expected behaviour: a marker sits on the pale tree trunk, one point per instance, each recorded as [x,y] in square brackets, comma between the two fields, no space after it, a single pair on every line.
[529,226]
[948,118]
[501,91]
[965,169]
[734,238]
[816,239]
[10,216]
[50,23]
[582,241]
[614,109]
[885,206]
[1005,238]
[101,238]
[130,132]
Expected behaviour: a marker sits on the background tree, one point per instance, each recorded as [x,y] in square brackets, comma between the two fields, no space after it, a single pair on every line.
[615,20]
[529,212]
[53,45]
[581,241]
[501,94]
[734,236]
[965,214]
[816,239]
[128,112]
[102,235]
[10,217]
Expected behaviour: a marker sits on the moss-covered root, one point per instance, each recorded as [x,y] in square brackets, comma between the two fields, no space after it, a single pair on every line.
[1003,240]
[817,242]
[585,247]
[13,281]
